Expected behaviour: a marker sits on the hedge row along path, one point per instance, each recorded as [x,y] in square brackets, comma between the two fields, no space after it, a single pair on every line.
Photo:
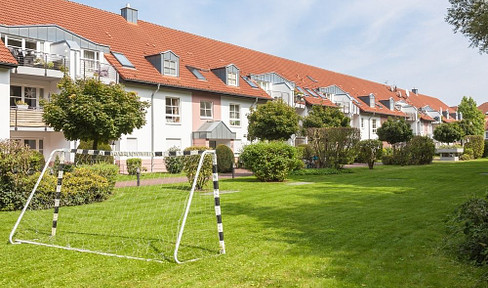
[172,180]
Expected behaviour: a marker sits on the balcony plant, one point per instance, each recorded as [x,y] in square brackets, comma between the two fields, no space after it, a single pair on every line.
[21,105]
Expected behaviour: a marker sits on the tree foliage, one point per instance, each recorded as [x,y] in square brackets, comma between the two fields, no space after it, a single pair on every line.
[448,133]
[321,117]
[274,120]
[470,17]
[334,146]
[369,151]
[395,131]
[473,122]
[90,110]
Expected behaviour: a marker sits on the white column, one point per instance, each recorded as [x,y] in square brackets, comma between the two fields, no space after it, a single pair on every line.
[4,103]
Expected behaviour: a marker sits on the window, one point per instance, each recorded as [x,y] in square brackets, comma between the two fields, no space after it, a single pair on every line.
[169,68]
[123,60]
[15,95]
[90,59]
[172,110]
[30,45]
[234,115]
[14,42]
[34,144]
[205,109]
[232,78]
[29,95]
[362,123]
[197,73]
[373,125]
[250,82]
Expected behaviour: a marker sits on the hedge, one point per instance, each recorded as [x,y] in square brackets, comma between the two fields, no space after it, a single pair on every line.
[477,143]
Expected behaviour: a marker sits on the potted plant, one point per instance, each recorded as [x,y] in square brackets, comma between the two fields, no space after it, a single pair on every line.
[21,105]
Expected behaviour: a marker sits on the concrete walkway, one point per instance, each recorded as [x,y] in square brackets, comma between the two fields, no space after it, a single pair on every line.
[172,180]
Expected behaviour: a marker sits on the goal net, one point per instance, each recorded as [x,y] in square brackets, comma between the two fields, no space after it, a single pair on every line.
[82,202]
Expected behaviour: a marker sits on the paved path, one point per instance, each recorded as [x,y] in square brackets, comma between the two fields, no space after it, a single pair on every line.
[171,180]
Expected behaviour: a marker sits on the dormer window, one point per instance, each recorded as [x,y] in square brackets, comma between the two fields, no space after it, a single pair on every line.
[229,74]
[167,63]
[231,78]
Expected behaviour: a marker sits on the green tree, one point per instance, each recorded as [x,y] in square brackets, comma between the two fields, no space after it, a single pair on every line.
[274,120]
[448,132]
[322,117]
[470,17]
[90,110]
[473,122]
[369,151]
[395,131]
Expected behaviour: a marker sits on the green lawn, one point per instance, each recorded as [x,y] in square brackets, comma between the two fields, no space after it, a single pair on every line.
[147,175]
[379,228]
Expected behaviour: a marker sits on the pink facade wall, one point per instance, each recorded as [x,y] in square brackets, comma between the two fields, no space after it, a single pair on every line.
[197,97]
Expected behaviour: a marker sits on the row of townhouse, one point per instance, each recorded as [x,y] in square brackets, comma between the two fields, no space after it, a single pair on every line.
[484,108]
[200,89]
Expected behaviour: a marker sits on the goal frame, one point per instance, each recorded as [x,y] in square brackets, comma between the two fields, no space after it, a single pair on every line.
[187,208]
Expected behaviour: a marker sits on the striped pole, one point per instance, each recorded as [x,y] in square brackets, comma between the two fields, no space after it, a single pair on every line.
[220,227]
[57,195]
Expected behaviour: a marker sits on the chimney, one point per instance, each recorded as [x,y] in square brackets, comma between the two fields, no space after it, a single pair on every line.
[415,90]
[129,14]
[447,114]
[371,100]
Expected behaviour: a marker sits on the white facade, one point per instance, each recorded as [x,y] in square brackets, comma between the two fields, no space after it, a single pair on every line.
[4,103]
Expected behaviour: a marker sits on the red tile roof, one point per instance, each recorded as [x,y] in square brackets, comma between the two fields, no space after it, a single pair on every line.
[319,101]
[484,108]
[139,40]
[6,57]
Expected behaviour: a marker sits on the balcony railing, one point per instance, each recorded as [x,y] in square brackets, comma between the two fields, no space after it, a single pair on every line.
[26,118]
[102,71]
[32,58]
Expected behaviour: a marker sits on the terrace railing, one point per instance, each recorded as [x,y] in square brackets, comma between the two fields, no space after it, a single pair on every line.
[37,59]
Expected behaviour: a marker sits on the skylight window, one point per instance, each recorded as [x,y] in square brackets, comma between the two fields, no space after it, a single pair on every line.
[196,72]
[312,79]
[311,92]
[250,82]
[301,90]
[123,60]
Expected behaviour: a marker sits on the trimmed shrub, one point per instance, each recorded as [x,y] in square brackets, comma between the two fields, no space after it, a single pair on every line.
[81,159]
[191,166]
[37,161]
[174,164]
[477,143]
[421,150]
[270,161]
[133,164]
[466,157]
[468,230]
[108,171]
[225,158]
[369,151]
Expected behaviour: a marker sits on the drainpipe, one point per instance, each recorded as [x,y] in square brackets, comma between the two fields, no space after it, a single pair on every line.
[152,127]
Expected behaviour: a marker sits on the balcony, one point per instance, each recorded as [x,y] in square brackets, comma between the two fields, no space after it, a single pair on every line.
[27,119]
[95,69]
[37,63]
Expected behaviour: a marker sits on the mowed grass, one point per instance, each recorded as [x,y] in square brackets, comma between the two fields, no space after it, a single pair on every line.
[379,228]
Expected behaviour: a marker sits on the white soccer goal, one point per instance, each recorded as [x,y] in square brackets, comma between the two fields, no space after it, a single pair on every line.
[164,219]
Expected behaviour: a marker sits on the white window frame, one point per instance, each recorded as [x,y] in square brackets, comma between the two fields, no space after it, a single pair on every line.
[173,118]
[90,61]
[231,78]
[235,116]
[23,97]
[206,110]
[38,142]
[374,125]
[169,67]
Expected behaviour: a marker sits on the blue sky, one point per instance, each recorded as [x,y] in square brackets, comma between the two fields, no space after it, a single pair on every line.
[405,43]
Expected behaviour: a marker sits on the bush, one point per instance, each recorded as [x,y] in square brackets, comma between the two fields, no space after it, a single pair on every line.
[369,151]
[225,159]
[468,227]
[270,161]
[477,143]
[191,166]
[334,146]
[174,164]
[133,164]
[466,157]
[320,171]
[37,161]
[81,159]
[108,171]
[306,152]
[485,151]
[421,150]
